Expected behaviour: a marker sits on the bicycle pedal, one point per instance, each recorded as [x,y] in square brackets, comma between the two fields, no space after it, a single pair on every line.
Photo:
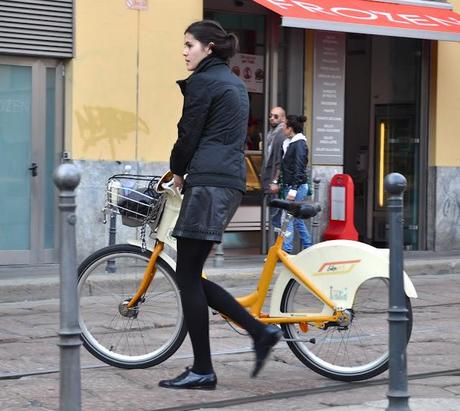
[310,340]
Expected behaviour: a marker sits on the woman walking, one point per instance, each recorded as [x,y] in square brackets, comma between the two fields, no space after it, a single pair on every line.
[294,177]
[210,151]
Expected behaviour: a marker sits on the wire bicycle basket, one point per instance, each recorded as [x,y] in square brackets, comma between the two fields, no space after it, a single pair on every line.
[134,198]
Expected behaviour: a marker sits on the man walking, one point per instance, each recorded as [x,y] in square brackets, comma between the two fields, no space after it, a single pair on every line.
[271,165]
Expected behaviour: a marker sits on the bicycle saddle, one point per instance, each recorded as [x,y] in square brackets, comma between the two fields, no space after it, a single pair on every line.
[298,210]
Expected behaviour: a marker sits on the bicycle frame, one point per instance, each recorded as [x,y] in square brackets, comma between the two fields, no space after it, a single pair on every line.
[255,300]
[363,262]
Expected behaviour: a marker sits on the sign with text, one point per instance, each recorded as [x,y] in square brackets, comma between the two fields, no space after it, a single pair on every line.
[250,69]
[424,19]
[328,98]
[137,4]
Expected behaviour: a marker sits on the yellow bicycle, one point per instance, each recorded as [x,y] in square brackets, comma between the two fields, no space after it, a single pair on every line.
[330,300]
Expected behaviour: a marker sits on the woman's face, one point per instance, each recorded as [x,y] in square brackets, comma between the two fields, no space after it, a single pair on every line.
[288,131]
[194,51]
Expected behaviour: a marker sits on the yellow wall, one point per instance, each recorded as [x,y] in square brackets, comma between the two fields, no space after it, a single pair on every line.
[446,149]
[122,102]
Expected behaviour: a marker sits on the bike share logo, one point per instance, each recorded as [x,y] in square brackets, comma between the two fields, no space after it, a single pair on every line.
[337,267]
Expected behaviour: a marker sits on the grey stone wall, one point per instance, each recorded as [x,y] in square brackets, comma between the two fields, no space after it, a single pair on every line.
[91,233]
[447,208]
[443,211]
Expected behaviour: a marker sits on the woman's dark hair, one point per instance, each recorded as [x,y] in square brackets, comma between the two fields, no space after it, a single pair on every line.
[224,46]
[296,123]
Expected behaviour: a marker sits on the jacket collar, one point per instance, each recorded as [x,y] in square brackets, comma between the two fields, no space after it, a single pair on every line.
[203,65]
[288,141]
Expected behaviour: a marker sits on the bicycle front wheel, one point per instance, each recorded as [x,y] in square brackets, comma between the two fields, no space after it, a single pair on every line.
[354,352]
[141,336]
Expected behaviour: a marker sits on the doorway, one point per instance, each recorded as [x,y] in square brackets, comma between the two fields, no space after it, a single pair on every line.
[384,131]
[31,99]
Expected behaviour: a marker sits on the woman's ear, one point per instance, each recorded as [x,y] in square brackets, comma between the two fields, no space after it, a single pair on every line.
[211,45]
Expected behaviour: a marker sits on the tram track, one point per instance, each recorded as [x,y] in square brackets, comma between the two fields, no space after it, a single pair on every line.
[335,387]
[303,392]
[18,375]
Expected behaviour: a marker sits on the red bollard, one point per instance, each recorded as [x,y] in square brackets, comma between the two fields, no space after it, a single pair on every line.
[341,209]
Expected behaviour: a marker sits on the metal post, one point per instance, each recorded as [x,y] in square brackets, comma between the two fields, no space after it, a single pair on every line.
[66,178]
[315,220]
[219,255]
[113,229]
[398,396]
[110,268]
[263,225]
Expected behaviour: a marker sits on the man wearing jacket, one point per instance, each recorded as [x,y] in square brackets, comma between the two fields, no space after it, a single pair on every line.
[271,165]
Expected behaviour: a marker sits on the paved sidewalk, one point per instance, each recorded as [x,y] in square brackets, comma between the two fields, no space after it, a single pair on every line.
[28,338]
[415,404]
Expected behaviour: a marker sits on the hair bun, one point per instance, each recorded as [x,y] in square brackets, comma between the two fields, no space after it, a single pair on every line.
[301,119]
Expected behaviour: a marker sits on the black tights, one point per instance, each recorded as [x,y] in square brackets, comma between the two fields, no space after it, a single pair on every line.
[197,294]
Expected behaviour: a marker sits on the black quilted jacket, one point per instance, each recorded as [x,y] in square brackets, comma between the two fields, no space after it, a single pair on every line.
[213,127]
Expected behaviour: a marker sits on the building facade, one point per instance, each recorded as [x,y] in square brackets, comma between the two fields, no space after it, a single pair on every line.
[94,82]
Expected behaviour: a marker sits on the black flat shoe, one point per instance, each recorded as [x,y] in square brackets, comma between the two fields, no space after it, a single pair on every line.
[191,381]
[264,345]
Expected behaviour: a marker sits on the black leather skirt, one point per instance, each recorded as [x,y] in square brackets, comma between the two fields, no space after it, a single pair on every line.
[206,212]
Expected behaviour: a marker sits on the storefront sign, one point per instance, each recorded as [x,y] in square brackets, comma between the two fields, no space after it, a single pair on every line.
[434,21]
[137,4]
[328,98]
[250,69]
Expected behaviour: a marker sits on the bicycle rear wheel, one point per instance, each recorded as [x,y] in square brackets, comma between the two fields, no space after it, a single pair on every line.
[139,337]
[356,352]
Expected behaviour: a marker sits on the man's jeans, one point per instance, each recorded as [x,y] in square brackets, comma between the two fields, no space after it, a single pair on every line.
[297,224]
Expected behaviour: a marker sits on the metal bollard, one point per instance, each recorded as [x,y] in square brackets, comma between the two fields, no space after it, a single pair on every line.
[315,220]
[110,268]
[219,255]
[66,178]
[398,396]
[263,225]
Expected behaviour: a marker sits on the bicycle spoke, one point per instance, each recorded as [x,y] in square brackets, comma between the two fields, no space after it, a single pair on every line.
[352,352]
[144,333]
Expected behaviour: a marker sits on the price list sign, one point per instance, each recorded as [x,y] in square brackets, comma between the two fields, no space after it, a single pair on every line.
[328,98]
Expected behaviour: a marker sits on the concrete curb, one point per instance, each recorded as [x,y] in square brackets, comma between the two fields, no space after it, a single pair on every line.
[47,287]
[432,266]
[235,272]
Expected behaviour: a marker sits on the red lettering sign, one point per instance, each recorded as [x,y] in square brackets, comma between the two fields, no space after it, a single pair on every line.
[368,14]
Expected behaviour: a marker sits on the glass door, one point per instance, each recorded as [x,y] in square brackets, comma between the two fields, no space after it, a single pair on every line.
[397,135]
[398,149]
[30,133]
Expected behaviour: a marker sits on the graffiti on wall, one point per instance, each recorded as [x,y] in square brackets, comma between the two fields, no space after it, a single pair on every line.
[109,126]
[449,221]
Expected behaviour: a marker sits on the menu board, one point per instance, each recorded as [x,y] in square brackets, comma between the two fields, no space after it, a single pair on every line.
[328,98]
[250,69]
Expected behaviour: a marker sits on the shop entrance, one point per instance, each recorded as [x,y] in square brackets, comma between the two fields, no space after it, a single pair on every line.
[30,143]
[271,63]
[385,131]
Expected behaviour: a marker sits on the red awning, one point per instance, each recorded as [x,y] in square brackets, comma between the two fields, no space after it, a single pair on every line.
[437,22]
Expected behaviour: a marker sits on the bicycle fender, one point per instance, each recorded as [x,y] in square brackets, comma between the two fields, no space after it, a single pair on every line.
[337,268]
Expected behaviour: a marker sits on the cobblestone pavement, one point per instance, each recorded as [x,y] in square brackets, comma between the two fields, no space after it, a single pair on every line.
[28,338]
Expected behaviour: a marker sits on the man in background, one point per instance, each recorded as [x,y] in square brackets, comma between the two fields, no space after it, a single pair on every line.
[271,165]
